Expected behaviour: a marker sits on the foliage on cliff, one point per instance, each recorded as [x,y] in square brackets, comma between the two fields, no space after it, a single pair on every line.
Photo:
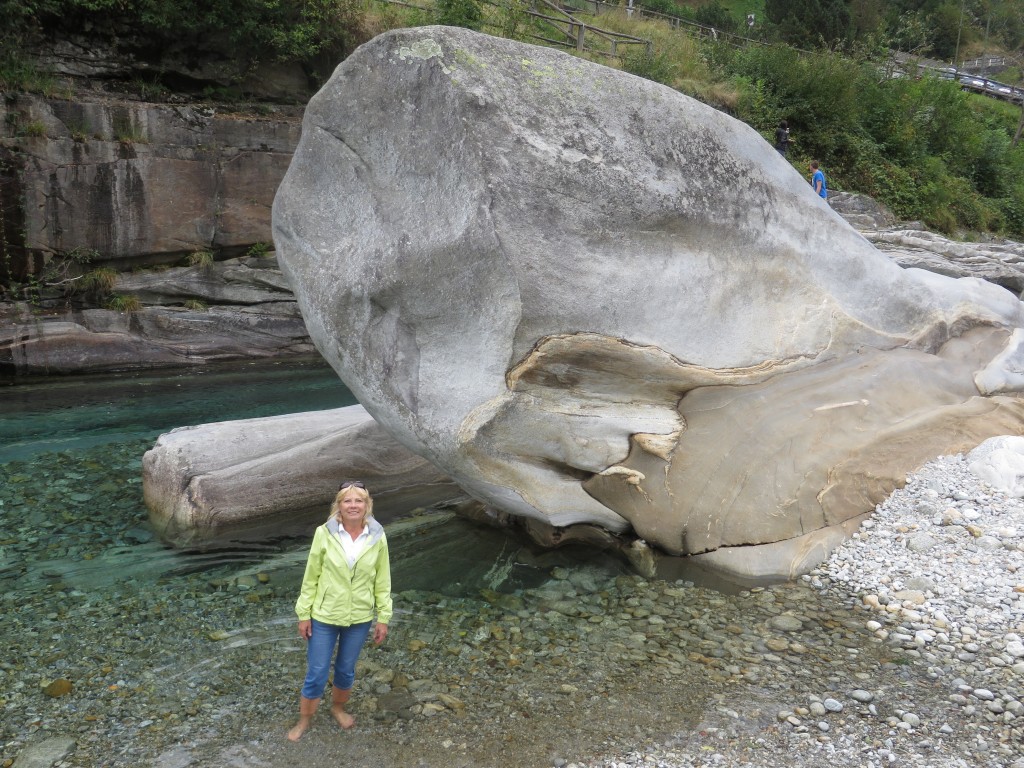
[266,29]
[928,150]
[936,27]
[921,145]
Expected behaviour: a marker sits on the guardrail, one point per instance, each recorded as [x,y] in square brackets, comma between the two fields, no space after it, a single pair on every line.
[572,33]
[568,31]
[693,28]
[984,63]
[982,85]
[902,64]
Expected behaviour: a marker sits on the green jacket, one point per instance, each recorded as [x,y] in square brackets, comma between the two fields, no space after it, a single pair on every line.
[333,593]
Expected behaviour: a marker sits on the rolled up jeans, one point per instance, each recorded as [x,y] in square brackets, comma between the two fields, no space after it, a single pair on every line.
[349,641]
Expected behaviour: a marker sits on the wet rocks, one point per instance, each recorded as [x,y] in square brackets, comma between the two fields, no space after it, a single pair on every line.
[881,656]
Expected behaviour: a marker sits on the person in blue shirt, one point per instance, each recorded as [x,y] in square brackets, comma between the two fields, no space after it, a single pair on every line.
[818,181]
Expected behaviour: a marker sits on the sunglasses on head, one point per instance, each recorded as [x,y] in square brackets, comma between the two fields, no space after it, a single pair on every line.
[352,484]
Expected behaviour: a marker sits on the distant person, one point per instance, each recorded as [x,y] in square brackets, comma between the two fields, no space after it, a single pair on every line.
[347,581]
[818,181]
[782,137]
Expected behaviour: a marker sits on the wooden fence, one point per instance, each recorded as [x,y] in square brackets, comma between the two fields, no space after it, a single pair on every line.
[561,29]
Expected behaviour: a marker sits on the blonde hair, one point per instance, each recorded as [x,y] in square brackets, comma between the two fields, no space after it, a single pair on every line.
[360,492]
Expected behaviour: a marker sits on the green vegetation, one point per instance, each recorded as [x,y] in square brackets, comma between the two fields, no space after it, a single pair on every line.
[242,29]
[922,146]
[121,303]
[79,132]
[938,28]
[58,278]
[258,250]
[195,305]
[99,281]
[127,132]
[928,150]
[460,13]
[35,128]
[202,259]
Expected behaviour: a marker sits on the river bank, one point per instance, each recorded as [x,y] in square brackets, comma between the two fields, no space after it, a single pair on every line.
[903,649]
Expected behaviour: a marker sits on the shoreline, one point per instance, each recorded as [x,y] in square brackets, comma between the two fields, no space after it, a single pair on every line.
[591,667]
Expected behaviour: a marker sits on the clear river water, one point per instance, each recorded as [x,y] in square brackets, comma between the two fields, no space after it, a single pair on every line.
[117,651]
[151,638]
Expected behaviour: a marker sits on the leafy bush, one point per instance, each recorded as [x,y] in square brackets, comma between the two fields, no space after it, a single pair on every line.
[925,148]
[258,250]
[716,15]
[244,30]
[460,13]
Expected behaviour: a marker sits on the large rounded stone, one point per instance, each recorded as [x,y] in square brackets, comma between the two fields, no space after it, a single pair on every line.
[593,300]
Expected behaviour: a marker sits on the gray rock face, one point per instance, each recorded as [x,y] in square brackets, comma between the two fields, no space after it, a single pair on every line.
[133,179]
[910,245]
[592,300]
[252,315]
[256,477]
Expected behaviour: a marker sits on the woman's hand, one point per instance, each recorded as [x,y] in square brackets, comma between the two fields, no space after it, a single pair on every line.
[380,631]
[306,629]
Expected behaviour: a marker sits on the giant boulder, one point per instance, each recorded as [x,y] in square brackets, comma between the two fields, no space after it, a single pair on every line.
[592,300]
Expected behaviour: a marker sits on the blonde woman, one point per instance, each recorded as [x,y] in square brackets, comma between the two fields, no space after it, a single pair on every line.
[347,581]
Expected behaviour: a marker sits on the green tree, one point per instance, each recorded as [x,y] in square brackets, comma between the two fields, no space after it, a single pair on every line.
[716,15]
[460,13]
[805,23]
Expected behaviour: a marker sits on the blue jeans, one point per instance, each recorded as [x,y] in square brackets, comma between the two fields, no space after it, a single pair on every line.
[319,650]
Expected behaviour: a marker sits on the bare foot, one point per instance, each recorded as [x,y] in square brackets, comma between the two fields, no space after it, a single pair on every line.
[300,728]
[345,720]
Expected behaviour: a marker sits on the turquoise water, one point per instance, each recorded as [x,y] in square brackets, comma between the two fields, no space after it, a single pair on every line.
[74,413]
[162,646]
[71,507]
[71,464]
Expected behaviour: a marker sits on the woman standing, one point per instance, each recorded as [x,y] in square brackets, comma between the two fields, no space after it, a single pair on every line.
[347,579]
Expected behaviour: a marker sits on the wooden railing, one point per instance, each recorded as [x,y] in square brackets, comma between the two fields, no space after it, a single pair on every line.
[692,28]
[572,33]
[562,29]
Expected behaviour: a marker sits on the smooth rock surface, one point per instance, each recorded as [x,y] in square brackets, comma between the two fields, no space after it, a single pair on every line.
[44,754]
[524,267]
[256,477]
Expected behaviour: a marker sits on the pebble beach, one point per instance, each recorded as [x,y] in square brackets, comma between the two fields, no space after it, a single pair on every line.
[905,648]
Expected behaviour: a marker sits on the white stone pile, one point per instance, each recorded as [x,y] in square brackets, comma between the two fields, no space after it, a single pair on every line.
[937,574]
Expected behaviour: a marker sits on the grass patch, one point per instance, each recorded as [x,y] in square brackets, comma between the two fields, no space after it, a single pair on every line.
[128,133]
[33,128]
[121,303]
[202,259]
[100,281]
[258,250]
